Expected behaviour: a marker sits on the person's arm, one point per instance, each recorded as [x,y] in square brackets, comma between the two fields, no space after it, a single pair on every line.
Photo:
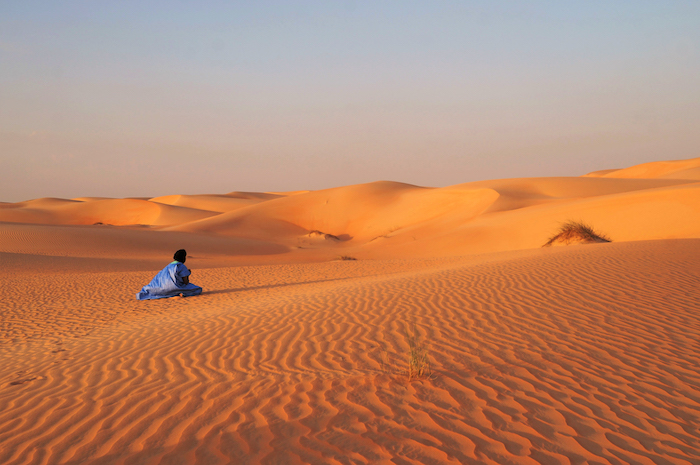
[183,274]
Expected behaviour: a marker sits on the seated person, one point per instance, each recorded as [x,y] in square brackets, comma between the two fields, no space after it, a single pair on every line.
[171,281]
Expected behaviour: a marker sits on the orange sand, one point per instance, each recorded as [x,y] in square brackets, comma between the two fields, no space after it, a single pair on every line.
[578,354]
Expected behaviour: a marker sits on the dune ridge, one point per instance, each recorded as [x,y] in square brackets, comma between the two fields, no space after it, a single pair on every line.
[118,212]
[673,169]
[387,219]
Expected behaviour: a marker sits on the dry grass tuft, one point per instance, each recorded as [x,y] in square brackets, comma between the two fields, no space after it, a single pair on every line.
[576,232]
[346,257]
[418,361]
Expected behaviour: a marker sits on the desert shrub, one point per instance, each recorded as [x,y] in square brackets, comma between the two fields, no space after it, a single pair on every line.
[576,232]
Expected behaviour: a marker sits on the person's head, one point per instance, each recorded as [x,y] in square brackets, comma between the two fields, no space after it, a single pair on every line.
[180,255]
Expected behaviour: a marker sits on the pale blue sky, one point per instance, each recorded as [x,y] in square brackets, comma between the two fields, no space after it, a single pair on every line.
[154,98]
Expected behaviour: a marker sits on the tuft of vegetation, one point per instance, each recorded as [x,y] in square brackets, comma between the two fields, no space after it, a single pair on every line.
[576,232]
[418,361]
[414,365]
[346,257]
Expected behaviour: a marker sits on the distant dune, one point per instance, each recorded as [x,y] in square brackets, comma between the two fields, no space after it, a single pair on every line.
[393,220]
[583,353]
[676,169]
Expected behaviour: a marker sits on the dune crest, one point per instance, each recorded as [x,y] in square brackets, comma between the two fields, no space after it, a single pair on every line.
[674,169]
[118,212]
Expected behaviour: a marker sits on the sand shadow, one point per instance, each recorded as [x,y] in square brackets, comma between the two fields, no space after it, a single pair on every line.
[270,286]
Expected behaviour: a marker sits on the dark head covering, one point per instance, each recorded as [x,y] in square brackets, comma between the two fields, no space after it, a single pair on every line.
[180,255]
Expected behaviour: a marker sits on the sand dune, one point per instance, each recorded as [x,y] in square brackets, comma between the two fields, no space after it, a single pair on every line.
[662,213]
[675,169]
[436,221]
[384,219]
[574,354]
[99,211]
[359,213]
[216,203]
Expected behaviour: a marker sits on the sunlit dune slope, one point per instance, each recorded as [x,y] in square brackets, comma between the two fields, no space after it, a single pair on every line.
[674,169]
[525,192]
[216,203]
[396,220]
[519,223]
[359,213]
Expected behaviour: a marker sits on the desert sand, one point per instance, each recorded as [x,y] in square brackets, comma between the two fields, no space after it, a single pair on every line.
[295,354]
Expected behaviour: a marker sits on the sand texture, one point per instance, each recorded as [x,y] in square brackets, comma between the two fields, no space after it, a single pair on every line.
[571,354]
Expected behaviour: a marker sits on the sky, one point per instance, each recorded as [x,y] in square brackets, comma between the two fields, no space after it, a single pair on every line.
[149,98]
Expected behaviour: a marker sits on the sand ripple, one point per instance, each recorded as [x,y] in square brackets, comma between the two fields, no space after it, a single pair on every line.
[577,355]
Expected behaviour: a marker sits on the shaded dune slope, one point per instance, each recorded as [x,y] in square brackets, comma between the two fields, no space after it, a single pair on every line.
[580,354]
[106,242]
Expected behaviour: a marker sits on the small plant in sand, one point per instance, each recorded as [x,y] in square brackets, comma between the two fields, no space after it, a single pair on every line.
[576,232]
[418,361]
[346,257]
[414,365]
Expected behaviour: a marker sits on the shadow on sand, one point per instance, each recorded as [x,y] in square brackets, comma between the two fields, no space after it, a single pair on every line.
[270,286]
